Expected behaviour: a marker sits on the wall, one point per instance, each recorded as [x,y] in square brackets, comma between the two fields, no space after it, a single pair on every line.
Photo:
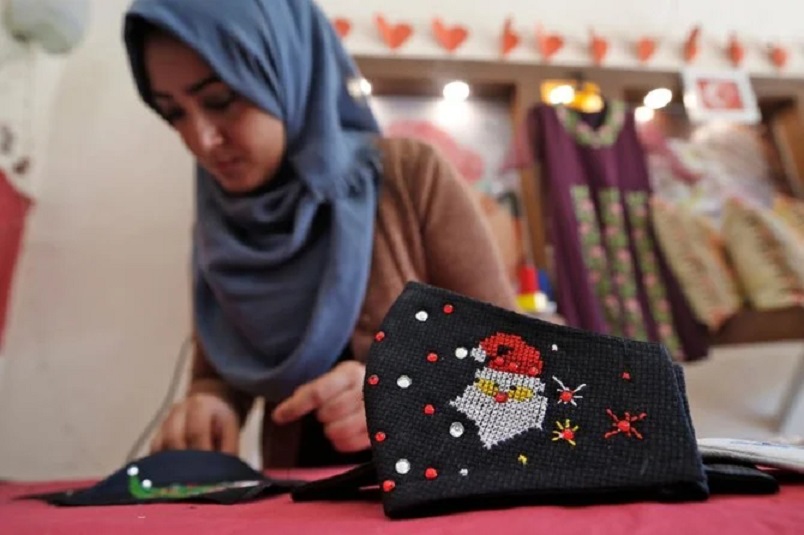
[100,306]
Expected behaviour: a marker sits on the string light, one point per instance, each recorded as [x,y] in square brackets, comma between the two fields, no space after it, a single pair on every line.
[658,98]
[562,94]
[643,114]
[456,91]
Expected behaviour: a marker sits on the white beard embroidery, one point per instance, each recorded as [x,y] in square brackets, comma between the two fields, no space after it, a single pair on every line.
[497,422]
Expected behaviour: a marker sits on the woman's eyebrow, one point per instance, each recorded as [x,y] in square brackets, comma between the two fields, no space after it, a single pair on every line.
[201,84]
[192,88]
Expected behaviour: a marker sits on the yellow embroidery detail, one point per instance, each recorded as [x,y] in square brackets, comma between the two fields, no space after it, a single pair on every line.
[522,459]
[565,432]
[515,392]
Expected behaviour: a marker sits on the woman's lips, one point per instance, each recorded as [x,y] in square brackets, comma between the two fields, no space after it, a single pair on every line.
[228,168]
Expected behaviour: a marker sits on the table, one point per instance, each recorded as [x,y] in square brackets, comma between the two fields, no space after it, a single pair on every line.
[775,514]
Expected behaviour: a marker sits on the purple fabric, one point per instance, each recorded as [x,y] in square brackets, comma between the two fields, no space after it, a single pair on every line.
[603,188]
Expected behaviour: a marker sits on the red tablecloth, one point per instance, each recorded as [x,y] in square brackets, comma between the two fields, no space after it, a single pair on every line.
[776,514]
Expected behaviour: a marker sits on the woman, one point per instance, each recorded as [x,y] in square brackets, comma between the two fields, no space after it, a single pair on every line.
[308,223]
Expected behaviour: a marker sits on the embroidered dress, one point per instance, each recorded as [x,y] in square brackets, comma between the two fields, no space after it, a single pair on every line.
[611,275]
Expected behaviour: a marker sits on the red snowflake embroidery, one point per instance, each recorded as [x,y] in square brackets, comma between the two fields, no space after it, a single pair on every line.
[625,425]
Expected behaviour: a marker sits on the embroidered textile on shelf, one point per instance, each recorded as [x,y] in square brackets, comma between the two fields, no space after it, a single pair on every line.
[719,162]
[611,275]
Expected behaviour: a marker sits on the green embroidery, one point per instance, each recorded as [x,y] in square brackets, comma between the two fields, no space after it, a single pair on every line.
[144,490]
[623,276]
[595,258]
[584,134]
[637,203]
[611,265]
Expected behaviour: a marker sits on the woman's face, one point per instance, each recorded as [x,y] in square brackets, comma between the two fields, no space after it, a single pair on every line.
[238,143]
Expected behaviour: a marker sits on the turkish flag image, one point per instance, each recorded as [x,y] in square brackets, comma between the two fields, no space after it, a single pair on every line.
[720,95]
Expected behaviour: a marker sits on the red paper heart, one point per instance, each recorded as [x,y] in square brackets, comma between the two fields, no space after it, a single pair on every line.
[394,35]
[645,49]
[778,57]
[342,26]
[548,45]
[735,51]
[598,47]
[691,46]
[510,39]
[552,45]
[449,37]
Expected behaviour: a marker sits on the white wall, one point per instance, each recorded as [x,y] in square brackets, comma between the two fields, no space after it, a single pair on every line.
[100,306]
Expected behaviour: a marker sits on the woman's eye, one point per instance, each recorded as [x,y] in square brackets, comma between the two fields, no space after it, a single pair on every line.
[171,116]
[220,103]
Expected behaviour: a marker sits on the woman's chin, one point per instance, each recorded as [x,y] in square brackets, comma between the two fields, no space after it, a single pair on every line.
[236,184]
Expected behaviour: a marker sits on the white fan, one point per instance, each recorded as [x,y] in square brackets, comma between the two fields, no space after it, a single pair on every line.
[57,25]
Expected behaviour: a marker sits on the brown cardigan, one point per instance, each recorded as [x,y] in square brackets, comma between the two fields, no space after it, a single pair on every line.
[429,229]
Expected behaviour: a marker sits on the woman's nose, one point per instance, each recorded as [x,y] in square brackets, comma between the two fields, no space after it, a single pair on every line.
[201,135]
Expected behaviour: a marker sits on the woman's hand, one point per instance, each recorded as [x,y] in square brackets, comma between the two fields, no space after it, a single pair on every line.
[337,399]
[200,422]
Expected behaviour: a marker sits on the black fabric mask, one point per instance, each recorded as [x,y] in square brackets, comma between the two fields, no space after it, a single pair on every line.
[176,476]
[472,406]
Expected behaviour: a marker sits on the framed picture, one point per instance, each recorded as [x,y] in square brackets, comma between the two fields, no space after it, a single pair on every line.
[722,96]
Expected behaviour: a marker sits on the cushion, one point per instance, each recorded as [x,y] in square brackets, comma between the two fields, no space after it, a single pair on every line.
[766,254]
[697,257]
[791,212]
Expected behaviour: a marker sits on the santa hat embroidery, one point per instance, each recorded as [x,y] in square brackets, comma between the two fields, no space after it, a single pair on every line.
[505,398]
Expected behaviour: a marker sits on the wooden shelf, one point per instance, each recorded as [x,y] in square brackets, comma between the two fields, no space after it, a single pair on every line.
[755,326]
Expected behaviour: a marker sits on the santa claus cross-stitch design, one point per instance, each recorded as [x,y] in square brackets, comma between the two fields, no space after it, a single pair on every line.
[505,398]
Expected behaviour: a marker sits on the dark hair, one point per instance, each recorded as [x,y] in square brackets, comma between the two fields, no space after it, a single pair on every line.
[137,32]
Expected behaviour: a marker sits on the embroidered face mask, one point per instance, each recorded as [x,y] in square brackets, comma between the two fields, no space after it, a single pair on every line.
[472,406]
[176,476]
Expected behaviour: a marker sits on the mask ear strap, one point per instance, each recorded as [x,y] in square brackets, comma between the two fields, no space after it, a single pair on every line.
[348,486]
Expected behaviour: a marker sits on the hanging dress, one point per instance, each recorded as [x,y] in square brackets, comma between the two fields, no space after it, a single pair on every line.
[611,276]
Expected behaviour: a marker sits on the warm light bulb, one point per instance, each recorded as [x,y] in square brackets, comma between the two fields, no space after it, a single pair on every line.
[562,94]
[456,91]
[658,98]
[643,114]
[592,103]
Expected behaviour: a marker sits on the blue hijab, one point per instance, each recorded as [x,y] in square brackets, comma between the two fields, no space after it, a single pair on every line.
[280,274]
